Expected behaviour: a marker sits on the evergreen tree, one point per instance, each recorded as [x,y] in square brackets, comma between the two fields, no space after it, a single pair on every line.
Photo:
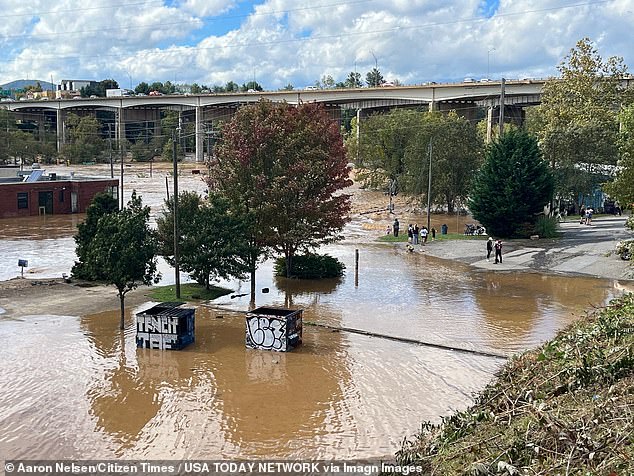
[374,78]
[512,187]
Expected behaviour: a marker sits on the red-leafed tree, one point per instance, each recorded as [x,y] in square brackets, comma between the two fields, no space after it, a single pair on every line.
[283,168]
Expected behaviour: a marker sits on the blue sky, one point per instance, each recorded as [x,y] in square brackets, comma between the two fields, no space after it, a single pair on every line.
[300,41]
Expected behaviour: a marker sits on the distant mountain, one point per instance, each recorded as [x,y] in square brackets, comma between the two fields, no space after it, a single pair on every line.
[22,83]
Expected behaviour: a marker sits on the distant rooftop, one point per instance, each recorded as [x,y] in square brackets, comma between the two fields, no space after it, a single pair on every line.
[41,176]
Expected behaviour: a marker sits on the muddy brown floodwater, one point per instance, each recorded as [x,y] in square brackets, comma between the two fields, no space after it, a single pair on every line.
[75,387]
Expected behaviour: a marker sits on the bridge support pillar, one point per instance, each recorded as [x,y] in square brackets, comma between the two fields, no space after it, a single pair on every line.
[199,134]
[433,106]
[59,123]
[489,123]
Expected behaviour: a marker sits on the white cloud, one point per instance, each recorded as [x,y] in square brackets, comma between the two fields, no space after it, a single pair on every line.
[298,41]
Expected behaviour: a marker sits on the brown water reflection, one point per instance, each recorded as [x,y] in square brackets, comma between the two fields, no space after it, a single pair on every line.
[86,391]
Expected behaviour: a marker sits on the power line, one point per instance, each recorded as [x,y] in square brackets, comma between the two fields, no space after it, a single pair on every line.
[194,21]
[324,37]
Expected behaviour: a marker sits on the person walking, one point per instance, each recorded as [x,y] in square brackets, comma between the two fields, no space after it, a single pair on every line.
[498,251]
[410,231]
[395,227]
[423,234]
[489,248]
[433,234]
[415,234]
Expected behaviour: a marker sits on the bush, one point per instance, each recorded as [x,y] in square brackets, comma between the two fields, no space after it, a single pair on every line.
[311,266]
[546,227]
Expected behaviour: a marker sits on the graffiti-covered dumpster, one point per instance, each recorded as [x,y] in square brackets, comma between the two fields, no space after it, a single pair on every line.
[274,328]
[165,326]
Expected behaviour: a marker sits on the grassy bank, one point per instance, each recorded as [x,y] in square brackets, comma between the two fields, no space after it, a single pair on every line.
[564,408]
[189,292]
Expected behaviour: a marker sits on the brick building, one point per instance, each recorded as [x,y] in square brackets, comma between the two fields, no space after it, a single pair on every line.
[37,193]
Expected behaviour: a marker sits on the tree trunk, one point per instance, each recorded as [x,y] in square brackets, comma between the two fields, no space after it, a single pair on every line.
[289,267]
[253,283]
[121,300]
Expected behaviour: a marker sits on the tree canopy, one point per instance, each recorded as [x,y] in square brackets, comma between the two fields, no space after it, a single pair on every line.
[122,250]
[622,188]
[283,168]
[577,123]
[394,148]
[86,144]
[512,187]
[210,238]
[374,78]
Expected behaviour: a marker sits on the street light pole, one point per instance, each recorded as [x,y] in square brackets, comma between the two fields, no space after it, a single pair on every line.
[175,213]
[429,189]
[489,60]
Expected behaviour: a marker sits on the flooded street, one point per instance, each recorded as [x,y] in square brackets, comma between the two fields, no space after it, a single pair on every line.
[75,387]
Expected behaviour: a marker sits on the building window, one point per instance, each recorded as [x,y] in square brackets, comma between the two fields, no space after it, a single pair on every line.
[61,196]
[23,200]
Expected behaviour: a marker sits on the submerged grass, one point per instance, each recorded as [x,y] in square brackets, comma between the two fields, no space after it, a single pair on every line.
[564,408]
[189,292]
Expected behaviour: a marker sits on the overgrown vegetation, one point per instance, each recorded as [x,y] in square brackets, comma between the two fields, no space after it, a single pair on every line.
[311,266]
[546,227]
[565,408]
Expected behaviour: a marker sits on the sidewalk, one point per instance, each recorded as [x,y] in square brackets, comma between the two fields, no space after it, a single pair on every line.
[583,249]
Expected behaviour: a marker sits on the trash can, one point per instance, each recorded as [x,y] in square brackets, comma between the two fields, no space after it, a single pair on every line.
[443,229]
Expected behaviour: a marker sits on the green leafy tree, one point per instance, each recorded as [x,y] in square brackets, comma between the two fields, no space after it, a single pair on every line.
[512,187]
[394,149]
[456,155]
[142,88]
[231,87]
[167,153]
[210,244]
[102,204]
[86,144]
[384,138]
[122,251]
[196,89]
[288,87]
[622,188]
[251,85]
[354,80]
[577,124]
[374,78]
[282,169]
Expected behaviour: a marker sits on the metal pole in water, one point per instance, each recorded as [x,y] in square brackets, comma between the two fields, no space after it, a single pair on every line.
[356,267]
[176,263]
[429,190]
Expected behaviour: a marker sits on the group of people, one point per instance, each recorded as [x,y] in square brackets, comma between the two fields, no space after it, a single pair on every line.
[497,246]
[415,235]
[586,216]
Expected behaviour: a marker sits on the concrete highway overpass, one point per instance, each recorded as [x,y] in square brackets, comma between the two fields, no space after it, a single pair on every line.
[204,109]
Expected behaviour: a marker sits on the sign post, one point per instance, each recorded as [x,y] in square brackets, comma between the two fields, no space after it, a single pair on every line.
[22,263]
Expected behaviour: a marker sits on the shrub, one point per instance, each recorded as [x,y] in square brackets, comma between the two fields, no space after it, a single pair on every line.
[311,266]
[546,227]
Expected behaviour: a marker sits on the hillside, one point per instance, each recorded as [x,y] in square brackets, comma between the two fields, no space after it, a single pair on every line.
[564,408]
[22,83]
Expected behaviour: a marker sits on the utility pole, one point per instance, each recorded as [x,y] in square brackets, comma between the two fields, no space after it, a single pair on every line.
[110,150]
[429,189]
[501,120]
[177,277]
[122,155]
